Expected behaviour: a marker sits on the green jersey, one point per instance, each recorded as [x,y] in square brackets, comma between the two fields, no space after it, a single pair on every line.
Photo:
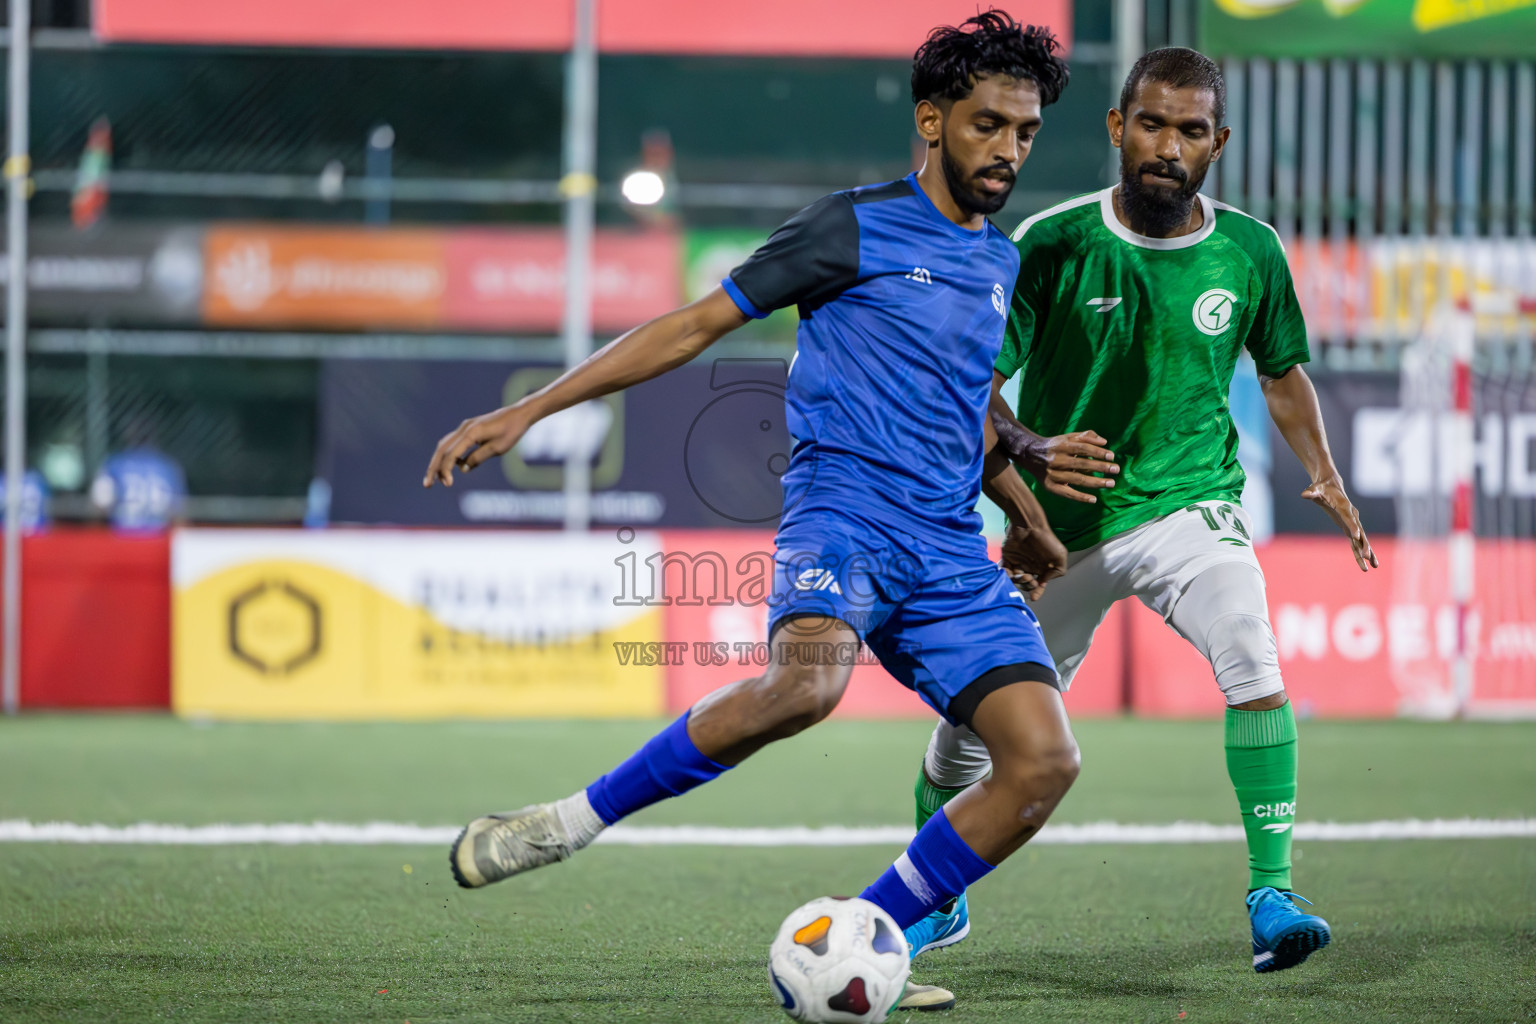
[1137,338]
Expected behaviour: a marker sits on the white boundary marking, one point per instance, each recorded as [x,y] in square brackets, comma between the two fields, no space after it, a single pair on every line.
[382,833]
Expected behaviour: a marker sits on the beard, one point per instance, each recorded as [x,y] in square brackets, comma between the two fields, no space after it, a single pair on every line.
[964,191]
[1153,210]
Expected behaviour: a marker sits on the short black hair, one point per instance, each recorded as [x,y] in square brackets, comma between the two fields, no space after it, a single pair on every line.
[1181,68]
[951,59]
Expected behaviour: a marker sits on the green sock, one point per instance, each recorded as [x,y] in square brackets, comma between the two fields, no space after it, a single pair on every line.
[930,797]
[1261,761]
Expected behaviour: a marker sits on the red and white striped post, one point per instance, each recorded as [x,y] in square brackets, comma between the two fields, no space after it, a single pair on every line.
[1461,546]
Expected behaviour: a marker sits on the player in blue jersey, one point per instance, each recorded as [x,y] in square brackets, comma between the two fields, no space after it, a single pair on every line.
[142,489]
[903,291]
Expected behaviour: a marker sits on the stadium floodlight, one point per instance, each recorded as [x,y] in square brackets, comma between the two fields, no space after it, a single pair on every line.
[643,188]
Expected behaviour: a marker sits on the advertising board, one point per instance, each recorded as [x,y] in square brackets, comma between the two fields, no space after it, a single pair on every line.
[695,447]
[473,279]
[283,624]
[137,274]
[1368,28]
[852,28]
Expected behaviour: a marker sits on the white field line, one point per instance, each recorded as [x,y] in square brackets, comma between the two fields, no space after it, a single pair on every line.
[381,833]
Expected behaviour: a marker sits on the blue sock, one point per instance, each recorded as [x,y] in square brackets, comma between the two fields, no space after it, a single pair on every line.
[936,868]
[668,765]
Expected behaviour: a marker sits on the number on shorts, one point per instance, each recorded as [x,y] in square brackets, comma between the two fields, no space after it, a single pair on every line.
[1229,522]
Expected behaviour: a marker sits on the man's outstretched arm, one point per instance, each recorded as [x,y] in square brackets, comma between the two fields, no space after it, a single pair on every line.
[1061,464]
[648,351]
[1293,406]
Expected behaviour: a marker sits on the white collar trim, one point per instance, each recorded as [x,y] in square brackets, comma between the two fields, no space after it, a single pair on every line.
[1208,224]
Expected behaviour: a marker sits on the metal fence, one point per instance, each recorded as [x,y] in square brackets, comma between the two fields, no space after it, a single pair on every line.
[1393,184]
[1401,184]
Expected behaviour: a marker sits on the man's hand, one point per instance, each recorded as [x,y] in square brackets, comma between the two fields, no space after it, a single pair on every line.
[1293,406]
[1064,463]
[1032,558]
[1329,494]
[475,441]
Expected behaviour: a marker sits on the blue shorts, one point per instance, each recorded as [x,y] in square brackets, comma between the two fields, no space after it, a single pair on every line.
[952,628]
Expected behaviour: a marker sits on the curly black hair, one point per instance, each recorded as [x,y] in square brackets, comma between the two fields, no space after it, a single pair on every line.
[951,59]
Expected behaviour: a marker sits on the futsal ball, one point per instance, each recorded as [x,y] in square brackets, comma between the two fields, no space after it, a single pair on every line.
[839,960]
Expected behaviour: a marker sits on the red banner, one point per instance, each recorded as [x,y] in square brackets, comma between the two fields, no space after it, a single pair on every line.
[384,24]
[1351,644]
[802,28]
[1356,644]
[515,280]
[1328,619]
[511,279]
[849,28]
[95,620]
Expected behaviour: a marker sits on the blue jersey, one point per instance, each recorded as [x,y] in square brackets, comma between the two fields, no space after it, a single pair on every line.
[143,488]
[901,318]
[34,501]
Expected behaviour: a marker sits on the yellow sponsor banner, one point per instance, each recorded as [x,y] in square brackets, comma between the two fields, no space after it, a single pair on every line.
[284,624]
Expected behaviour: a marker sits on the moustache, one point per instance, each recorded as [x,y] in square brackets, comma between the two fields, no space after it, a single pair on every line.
[1002,172]
[1165,170]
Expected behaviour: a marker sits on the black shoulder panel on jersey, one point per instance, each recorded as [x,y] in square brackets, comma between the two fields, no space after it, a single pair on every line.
[880,193]
[808,261]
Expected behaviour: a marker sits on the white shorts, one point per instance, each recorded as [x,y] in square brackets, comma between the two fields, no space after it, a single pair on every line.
[1194,567]
[1155,562]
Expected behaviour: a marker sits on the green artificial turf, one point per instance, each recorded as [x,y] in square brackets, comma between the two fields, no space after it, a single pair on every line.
[1424,930]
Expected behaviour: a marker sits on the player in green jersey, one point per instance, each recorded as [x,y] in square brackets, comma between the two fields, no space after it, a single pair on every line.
[1131,308]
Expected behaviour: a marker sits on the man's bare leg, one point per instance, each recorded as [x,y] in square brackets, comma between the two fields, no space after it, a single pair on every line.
[801,686]
[1035,760]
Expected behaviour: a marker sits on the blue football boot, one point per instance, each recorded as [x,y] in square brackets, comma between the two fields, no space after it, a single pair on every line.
[944,927]
[1283,936]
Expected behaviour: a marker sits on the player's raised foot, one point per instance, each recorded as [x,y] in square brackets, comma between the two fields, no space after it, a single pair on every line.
[1283,936]
[926,997]
[501,845]
[944,927]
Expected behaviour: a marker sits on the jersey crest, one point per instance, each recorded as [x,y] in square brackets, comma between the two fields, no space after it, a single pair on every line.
[1213,310]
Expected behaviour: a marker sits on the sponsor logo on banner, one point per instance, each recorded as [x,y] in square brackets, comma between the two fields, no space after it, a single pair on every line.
[1398,457]
[689,470]
[535,467]
[327,277]
[275,627]
[1364,644]
[385,624]
[512,279]
[515,280]
[113,274]
[1401,453]
[593,431]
